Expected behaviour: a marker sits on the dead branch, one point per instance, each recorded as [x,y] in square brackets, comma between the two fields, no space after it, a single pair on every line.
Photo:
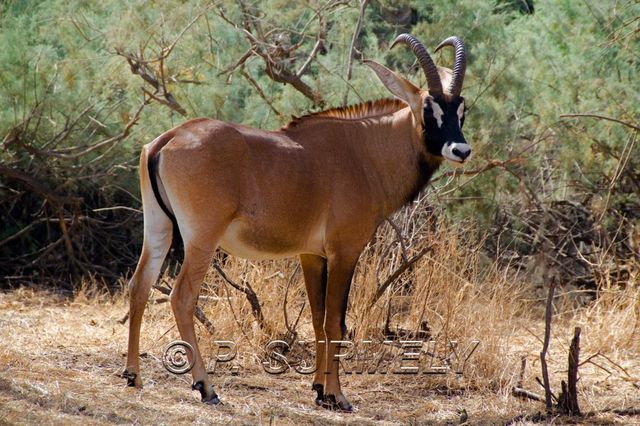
[314,52]
[276,52]
[352,48]
[602,117]
[256,86]
[291,329]
[166,51]
[252,297]
[140,66]
[109,141]
[515,158]
[198,311]
[248,54]
[24,230]
[396,274]
[523,393]
[65,235]
[569,396]
[621,368]
[282,75]
[61,238]
[37,187]
[403,246]
[623,412]
[545,347]
[553,395]
[523,367]
[204,320]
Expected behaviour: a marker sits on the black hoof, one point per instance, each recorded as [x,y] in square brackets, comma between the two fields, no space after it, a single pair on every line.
[342,405]
[131,378]
[320,393]
[209,400]
[212,400]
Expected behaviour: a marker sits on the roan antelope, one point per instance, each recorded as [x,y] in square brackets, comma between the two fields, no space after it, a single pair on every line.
[317,188]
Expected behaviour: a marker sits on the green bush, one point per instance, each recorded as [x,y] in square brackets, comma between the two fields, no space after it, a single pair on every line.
[68,181]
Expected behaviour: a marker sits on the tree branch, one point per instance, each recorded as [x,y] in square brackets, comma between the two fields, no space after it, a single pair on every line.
[199,313]
[140,67]
[275,54]
[602,117]
[36,186]
[352,48]
[396,274]
[252,297]
[316,48]
[256,86]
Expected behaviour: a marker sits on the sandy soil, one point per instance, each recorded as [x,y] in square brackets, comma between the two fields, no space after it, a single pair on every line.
[60,362]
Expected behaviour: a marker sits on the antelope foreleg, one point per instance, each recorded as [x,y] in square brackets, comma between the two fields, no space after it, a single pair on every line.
[315,279]
[340,272]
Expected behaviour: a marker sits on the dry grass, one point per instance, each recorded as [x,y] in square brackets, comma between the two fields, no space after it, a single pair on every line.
[61,357]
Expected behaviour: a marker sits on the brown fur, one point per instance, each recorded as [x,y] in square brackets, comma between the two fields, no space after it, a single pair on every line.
[317,188]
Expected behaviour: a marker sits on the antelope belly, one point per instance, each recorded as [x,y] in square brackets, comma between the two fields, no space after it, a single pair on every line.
[253,243]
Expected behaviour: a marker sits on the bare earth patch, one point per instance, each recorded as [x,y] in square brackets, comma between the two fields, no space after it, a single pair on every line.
[60,362]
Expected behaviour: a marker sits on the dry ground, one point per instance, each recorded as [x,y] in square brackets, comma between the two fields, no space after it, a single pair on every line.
[60,359]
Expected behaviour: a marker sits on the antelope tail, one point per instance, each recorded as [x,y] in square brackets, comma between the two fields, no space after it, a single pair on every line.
[149,160]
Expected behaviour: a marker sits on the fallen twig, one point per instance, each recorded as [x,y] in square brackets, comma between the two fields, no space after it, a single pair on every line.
[624,412]
[523,393]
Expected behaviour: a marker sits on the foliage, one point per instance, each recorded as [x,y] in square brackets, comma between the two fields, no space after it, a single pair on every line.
[75,116]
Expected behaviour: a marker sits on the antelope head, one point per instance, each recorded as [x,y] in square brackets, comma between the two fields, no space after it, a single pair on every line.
[438,113]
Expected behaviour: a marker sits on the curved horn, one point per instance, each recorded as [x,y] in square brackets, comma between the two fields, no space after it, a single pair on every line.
[460,65]
[427,64]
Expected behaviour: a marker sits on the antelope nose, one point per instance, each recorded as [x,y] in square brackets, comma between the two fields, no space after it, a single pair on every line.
[462,151]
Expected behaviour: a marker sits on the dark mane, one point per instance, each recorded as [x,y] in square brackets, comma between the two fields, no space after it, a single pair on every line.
[352,112]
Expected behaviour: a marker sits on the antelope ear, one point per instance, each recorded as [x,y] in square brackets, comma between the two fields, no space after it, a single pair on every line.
[399,86]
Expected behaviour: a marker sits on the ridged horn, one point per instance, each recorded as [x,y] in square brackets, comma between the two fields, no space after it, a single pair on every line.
[460,65]
[427,64]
